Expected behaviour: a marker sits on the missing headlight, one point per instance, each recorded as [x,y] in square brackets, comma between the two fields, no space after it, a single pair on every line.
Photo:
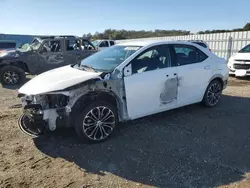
[58,100]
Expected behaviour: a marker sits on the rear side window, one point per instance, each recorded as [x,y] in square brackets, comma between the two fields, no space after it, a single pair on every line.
[185,55]
[52,46]
[111,43]
[72,45]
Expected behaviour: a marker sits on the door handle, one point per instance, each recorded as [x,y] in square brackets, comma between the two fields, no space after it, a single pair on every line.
[207,67]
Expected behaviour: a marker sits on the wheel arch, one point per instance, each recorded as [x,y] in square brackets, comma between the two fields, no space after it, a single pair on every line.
[102,95]
[19,64]
[218,77]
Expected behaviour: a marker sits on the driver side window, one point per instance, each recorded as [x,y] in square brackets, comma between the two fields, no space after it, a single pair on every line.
[157,57]
[51,46]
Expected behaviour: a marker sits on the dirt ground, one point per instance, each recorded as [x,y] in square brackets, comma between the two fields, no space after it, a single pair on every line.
[188,147]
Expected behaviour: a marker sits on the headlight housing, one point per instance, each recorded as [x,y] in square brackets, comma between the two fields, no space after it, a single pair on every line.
[57,100]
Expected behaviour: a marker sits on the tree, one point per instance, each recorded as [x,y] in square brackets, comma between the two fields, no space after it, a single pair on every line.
[87,36]
[132,34]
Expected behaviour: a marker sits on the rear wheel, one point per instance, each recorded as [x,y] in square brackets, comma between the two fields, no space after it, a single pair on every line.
[97,122]
[12,75]
[213,94]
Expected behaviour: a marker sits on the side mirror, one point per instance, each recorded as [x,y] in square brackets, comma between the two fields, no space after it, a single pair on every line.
[127,71]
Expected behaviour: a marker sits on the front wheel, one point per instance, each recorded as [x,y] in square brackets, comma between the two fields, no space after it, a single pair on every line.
[97,122]
[12,75]
[213,94]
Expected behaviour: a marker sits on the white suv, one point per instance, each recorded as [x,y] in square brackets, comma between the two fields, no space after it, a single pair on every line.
[124,82]
[102,44]
[239,64]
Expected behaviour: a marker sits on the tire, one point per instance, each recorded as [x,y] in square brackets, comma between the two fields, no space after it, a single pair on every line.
[213,94]
[97,131]
[12,75]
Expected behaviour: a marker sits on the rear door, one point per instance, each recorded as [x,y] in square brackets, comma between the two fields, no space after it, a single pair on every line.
[194,69]
[73,51]
[152,86]
[50,55]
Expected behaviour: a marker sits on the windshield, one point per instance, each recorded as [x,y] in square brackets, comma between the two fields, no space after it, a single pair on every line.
[246,49]
[33,46]
[109,58]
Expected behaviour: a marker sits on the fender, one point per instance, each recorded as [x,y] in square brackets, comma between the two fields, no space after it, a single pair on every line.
[216,76]
[14,62]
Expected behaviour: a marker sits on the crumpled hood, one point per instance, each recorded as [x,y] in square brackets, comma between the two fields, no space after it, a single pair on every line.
[56,79]
[241,56]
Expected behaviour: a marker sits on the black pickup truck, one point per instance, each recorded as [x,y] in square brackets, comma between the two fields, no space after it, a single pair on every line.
[41,55]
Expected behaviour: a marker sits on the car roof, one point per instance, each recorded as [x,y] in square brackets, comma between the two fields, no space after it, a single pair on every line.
[153,42]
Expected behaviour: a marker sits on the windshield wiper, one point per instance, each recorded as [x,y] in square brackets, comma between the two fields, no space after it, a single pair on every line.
[88,67]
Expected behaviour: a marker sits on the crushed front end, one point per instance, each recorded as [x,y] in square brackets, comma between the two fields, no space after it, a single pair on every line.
[42,113]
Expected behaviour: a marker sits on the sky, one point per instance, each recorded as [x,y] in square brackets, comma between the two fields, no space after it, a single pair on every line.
[76,17]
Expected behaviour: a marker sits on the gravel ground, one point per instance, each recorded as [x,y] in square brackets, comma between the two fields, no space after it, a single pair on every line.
[188,147]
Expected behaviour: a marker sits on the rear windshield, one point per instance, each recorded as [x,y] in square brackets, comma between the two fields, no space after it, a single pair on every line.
[201,44]
[6,45]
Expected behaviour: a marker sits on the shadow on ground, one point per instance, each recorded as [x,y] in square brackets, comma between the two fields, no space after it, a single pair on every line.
[188,147]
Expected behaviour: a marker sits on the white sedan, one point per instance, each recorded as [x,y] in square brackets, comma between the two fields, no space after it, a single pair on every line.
[239,64]
[121,83]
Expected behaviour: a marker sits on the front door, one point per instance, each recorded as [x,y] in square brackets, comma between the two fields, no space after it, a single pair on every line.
[50,55]
[152,86]
[194,71]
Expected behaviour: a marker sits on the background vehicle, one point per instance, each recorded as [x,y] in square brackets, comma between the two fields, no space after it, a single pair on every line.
[42,55]
[124,82]
[7,44]
[239,64]
[101,44]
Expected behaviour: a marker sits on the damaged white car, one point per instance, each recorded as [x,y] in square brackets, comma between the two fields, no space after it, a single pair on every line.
[123,82]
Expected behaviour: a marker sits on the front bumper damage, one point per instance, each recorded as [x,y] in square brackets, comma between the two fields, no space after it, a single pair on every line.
[40,115]
[47,112]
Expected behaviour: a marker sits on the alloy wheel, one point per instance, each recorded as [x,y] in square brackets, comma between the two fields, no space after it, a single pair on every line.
[99,123]
[11,77]
[214,94]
